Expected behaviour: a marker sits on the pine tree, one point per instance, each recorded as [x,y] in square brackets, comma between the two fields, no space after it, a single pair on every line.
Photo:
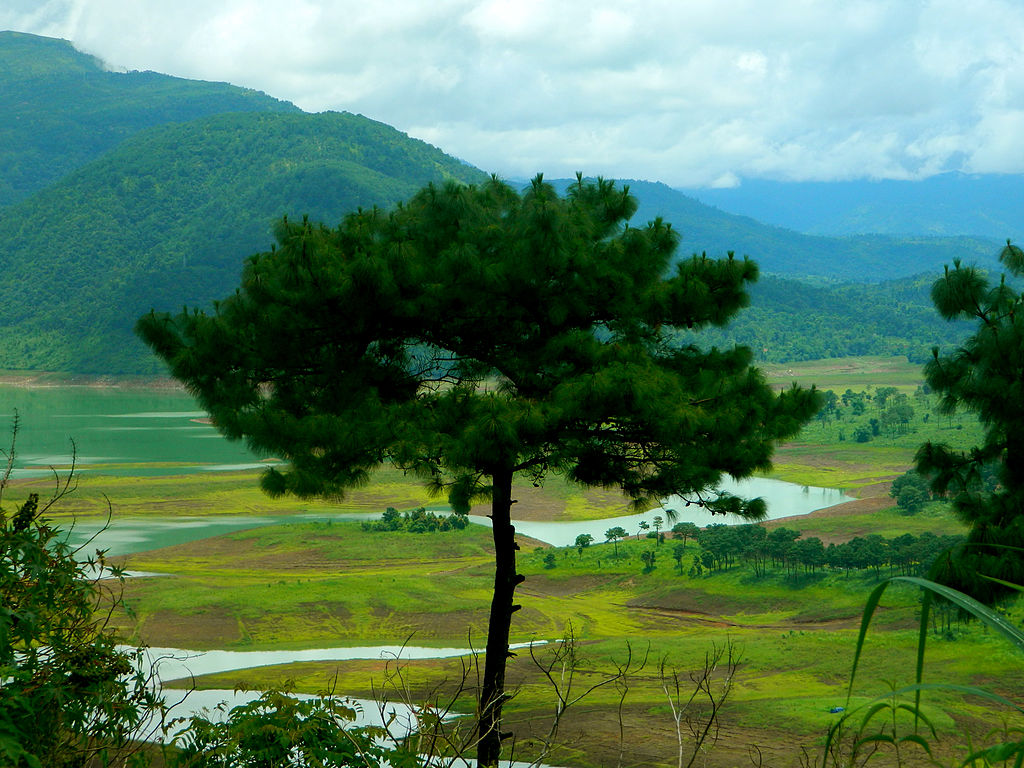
[984,376]
[477,334]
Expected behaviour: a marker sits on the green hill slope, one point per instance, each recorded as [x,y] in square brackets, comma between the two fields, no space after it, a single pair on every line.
[167,218]
[124,192]
[61,109]
[790,320]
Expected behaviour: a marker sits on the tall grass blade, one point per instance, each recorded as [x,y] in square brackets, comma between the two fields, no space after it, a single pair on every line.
[982,612]
[865,622]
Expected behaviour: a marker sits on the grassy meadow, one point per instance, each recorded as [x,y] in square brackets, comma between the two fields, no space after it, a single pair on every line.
[331,583]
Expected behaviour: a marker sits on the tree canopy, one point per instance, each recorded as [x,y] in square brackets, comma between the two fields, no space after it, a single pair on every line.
[476,333]
[985,376]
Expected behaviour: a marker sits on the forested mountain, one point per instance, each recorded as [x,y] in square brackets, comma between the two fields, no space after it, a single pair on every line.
[949,204]
[62,108]
[167,218]
[790,320]
[125,192]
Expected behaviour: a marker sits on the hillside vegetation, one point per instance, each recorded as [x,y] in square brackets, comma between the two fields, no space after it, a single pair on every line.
[784,252]
[167,218]
[122,192]
[62,108]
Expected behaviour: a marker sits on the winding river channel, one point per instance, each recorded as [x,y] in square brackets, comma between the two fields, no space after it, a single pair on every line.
[126,535]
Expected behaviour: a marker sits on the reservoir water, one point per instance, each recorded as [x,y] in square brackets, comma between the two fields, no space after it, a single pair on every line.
[136,431]
[114,430]
[126,535]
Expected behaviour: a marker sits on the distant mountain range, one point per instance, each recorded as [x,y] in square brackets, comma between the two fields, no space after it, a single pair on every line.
[125,191]
[950,204]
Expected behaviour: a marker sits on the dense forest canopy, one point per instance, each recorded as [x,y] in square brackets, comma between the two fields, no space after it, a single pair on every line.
[168,217]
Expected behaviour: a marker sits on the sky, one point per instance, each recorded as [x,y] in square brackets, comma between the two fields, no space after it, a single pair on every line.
[693,93]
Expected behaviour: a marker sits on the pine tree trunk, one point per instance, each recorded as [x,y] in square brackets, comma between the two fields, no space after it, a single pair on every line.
[506,579]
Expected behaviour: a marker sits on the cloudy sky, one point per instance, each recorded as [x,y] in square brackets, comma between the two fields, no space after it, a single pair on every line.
[690,92]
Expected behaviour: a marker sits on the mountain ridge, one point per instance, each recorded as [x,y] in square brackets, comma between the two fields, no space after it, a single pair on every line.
[63,109]
[162,198]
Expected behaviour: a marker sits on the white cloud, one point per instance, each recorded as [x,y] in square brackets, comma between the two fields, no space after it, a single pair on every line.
[689,92]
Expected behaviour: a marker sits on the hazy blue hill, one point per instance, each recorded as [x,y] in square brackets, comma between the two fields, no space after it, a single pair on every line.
[986,205]
[864,258]
[168,217]
[61,109]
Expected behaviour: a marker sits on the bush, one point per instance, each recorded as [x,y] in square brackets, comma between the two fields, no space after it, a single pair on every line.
[69,694]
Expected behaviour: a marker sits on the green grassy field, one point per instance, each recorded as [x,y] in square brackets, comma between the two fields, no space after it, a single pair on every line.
[317,585]
[306,585]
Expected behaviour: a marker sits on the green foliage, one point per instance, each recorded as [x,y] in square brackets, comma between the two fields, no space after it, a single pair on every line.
[910,491]
[165,219]
[553,299]
[418,520]
[984,376]
[70,695]
[792,319]
[615,535]
[726,546]
[648,556]
[283,731]
[583,541]
[63,109]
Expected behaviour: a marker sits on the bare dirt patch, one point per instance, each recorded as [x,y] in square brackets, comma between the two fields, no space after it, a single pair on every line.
[539,504]
[540,584]
[850,508]
[694,602]
[205,629]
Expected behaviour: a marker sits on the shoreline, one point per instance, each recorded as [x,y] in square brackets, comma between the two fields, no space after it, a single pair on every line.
[53,379]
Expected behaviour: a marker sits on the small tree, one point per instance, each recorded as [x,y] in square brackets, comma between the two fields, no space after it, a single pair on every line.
[583,541]
[648,557]
[276,729]
[910,492]
[984,376]
[685,531]
[475,334]
[658,522]
[614,535]
[678,551]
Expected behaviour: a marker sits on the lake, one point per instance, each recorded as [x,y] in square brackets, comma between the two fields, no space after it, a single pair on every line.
[115,430]
[135,431]
[126,535]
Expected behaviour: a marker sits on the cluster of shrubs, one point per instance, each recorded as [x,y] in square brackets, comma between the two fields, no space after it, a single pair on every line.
[418,520]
